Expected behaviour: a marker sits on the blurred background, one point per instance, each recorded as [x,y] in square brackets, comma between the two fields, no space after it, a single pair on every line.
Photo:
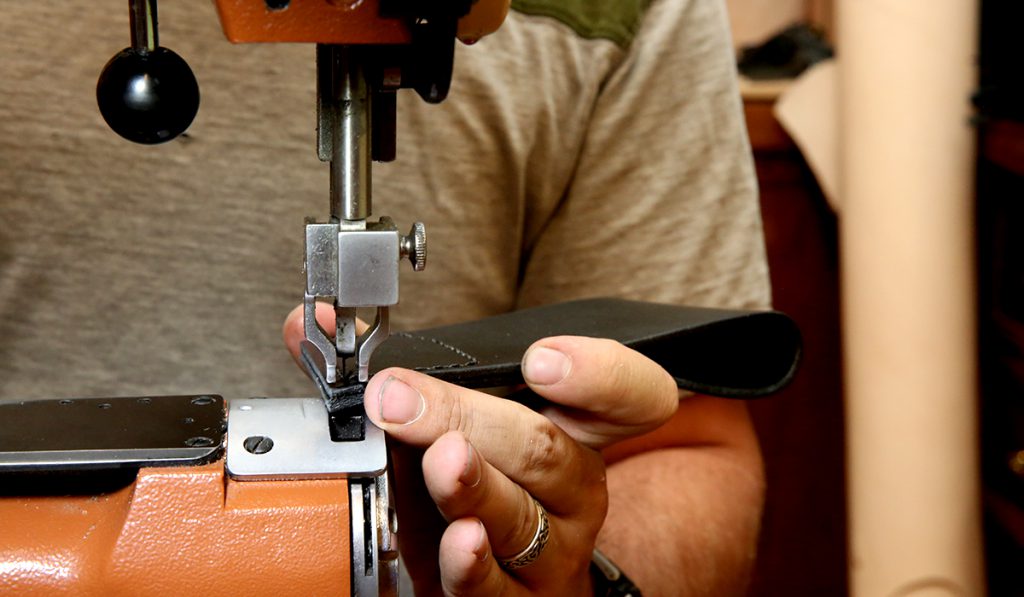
[889,144]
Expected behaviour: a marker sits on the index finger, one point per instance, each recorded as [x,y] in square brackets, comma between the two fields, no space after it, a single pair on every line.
[294,333]
[527,447]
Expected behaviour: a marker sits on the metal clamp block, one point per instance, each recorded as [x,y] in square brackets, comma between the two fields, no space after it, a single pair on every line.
[368,266]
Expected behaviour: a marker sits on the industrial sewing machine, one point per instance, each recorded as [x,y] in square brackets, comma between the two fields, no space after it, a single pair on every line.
[168,495]
[321,501]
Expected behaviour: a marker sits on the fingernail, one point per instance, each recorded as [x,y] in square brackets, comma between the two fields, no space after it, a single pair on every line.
[481,550]
[399,402]
[471,475]
[546,366]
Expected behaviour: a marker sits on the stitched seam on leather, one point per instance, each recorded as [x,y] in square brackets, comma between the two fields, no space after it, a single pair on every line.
[470,359]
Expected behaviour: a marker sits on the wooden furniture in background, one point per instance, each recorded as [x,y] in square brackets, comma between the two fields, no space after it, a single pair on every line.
[1000,218]
[803,539]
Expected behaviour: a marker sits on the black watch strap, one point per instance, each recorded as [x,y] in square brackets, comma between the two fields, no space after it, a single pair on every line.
[735,354]
[609,580]
[727,353]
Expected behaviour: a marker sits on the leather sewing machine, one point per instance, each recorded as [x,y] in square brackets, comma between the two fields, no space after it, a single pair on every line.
[175,494]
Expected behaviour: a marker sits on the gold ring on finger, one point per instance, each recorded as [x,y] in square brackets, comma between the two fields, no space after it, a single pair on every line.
[536,546]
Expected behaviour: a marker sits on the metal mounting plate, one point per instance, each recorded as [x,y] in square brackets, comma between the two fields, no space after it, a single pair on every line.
[300,445]
[105,433]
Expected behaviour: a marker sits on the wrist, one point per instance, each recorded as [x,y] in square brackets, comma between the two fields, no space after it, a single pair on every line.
[608,580]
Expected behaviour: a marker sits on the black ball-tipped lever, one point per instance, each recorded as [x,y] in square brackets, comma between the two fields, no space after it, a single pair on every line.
[146,93]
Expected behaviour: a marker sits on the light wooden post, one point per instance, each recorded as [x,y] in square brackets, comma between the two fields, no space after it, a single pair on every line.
[907,69]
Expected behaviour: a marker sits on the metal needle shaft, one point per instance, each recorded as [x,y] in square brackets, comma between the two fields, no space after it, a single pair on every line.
[350,155]
[142,15]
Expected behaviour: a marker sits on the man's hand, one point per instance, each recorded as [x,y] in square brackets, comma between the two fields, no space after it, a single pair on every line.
[484,460]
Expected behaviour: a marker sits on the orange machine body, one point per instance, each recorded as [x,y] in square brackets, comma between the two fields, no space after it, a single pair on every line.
[350,22]
[180,531]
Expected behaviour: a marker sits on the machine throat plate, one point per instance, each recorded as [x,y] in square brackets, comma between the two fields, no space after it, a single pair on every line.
[290,438]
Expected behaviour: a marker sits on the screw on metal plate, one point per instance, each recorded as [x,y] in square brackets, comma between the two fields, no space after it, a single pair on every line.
[199,442]
[66,402]
[202,400]
[105,405]
[145,400]
[258,444]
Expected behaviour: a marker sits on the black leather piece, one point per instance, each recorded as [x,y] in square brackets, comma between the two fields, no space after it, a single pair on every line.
[733,354]
[338,397]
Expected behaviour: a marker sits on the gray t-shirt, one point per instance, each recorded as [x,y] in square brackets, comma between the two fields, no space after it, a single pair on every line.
[568,162]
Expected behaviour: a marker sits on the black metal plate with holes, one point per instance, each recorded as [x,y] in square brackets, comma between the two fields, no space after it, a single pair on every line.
[104,433]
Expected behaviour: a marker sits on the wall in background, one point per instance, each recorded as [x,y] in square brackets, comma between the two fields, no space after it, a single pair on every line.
[753,21]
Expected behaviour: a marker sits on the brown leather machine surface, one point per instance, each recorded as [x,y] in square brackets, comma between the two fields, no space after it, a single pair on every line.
[180,531]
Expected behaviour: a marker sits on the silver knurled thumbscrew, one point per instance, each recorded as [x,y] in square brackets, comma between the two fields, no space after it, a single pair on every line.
[414,246]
